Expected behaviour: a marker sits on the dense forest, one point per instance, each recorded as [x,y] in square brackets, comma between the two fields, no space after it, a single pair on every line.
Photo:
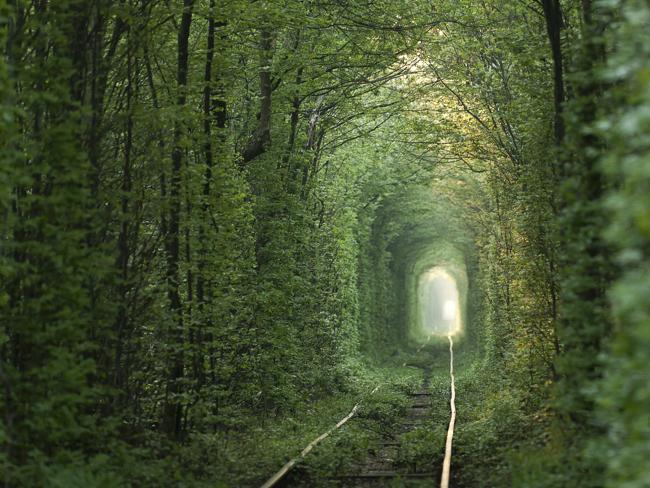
[216,216]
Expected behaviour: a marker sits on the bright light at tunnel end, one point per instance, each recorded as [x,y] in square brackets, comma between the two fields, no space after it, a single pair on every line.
[449,310]
[438,303]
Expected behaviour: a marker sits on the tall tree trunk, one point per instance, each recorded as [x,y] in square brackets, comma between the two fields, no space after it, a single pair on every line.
[202,284]
[554,25]
[173,409]
[123,246]
[262,136]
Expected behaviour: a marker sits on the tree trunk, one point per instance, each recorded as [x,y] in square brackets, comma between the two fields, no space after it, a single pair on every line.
[173,409]
[262,136]
[554,24]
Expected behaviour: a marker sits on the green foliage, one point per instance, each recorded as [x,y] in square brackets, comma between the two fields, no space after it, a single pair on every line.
[623,395]
[214,215]
[172,264]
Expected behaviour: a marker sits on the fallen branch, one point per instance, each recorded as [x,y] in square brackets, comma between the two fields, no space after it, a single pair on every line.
[285,469]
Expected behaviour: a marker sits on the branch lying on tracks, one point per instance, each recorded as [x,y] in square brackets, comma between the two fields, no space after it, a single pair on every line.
[285,469]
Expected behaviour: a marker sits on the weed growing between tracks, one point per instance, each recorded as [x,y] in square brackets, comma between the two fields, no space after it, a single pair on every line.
[378,418]
[349,445]
[423,448]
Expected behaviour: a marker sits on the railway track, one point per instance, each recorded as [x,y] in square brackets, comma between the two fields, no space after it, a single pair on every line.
[446,464]
[384,466]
